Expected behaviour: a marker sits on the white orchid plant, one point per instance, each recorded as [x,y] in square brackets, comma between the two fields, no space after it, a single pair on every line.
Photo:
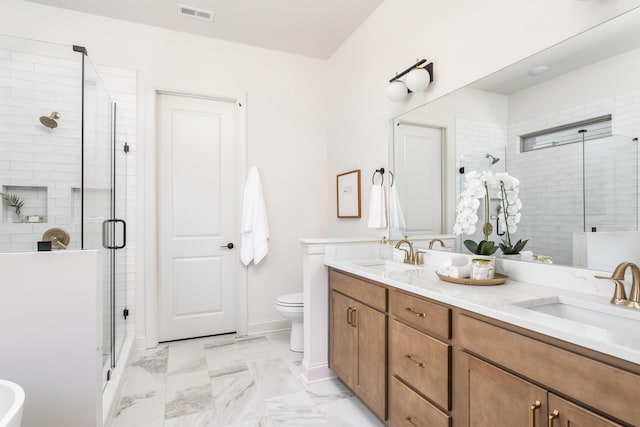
[476,187]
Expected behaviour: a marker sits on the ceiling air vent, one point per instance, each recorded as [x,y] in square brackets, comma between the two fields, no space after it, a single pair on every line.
[194,12]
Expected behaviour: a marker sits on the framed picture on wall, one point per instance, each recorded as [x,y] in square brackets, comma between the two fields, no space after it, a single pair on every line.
[348,192]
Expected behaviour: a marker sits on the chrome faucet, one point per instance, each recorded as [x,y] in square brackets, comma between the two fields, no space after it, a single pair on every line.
[619,295]
[442,245]
[409,255]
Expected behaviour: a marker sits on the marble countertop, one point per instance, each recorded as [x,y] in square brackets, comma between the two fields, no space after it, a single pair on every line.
[508,302]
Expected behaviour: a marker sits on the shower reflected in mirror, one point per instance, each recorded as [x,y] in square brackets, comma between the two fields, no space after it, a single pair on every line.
[50,121]
[493,159]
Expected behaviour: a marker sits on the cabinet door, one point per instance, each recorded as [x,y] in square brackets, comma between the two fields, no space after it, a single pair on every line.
[371,372]
[567,414]
[342,333]
[498,399]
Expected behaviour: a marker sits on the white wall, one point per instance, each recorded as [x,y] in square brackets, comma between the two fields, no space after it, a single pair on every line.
[286,129]
[465,39]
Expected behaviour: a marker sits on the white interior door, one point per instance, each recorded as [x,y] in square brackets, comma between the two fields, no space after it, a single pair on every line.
[418,159]
[197,145]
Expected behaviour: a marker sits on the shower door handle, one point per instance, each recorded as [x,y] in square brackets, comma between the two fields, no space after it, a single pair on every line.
[105,228]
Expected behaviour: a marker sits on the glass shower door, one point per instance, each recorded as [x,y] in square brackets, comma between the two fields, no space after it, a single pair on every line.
[611,184]
[102,231]
[96,190]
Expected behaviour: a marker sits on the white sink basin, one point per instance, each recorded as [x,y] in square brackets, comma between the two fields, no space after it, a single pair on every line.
[601,315]
[11,404]
[387,265]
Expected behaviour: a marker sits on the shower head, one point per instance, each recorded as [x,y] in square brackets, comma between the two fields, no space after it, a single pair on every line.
[494,160]
[50,121]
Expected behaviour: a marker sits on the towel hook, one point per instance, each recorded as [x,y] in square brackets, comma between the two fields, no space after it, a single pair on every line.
[381,172]
[392,178]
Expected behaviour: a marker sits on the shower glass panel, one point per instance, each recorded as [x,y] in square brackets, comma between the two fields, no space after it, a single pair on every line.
[611,184]
[96,192]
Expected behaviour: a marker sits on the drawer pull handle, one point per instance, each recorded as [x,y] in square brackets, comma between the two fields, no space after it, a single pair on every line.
[552,416]
[532,413]
[354,317]
[417,362]
[409,421]
[419,314]
[349,310]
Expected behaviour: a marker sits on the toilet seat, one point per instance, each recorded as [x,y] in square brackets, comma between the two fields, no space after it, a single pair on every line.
[290,300]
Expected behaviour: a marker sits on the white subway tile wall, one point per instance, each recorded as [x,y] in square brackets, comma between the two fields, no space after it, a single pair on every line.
[553,211]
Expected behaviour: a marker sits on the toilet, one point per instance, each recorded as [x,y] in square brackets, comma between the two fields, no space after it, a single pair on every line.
[290,306]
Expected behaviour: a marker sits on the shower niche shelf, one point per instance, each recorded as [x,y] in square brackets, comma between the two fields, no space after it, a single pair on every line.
[35,204]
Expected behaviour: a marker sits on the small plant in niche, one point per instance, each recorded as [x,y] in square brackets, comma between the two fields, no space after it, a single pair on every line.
[12,201]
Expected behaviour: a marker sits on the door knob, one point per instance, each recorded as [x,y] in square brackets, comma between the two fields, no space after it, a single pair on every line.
[228,246]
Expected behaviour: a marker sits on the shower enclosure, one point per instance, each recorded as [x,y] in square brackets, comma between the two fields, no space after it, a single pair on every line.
[64,160]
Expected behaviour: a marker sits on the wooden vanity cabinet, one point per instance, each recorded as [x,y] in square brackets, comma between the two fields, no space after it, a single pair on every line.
[505,379]
[358,339]
[448,367]
[497,398]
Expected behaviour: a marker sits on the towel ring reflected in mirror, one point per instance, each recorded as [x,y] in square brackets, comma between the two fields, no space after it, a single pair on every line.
[348,194]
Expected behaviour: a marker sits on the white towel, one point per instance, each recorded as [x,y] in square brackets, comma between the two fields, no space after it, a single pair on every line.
[443,271]
[396,216]
[455,261]
[461,271]
[254,228]
[377,207]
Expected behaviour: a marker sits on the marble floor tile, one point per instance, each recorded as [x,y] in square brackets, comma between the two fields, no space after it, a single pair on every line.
[222,381]
[206,418]
[225,360]
[186,356]
[237,398]
[296,409]
[349,412]
[256,348]
[273,378]
[187,394]
[140,410]
[329,391]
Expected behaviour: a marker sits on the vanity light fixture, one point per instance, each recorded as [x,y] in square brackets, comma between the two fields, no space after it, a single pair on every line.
[418,77]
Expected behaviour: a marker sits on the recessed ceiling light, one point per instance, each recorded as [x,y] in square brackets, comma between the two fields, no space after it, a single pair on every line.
[538,70]
[196,13]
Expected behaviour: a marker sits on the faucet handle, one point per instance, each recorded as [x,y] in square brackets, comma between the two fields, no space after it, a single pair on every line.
[619,295]
[419,258]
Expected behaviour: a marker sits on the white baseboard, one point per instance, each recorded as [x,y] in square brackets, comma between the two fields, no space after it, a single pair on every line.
[269,326]
[316,373]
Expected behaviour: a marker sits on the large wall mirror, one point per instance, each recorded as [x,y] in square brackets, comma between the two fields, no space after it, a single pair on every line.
[565,122]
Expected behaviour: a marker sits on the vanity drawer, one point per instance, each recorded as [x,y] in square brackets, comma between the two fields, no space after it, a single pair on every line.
[366,292]
[421,361]
[407,408]
[421,314]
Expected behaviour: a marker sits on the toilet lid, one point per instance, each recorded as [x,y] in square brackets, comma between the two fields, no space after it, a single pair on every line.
[290,299]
